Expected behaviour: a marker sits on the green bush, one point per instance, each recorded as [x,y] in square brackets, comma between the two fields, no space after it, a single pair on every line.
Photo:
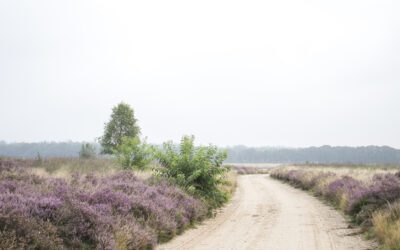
[87,151]
[132,153]
[198,170]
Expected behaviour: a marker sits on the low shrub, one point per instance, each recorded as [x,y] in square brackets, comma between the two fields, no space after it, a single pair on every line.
[133,153]
[198,170]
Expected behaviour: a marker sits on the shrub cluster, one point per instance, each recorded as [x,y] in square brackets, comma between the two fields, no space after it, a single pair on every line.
[198,170]
[133,153]
[364,201]
[119,211]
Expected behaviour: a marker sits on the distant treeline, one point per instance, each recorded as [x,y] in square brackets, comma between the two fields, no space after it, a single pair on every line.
[323,154]
[236,154]
[44,149]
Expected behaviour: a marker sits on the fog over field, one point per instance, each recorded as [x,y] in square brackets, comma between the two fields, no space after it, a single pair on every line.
[279,73]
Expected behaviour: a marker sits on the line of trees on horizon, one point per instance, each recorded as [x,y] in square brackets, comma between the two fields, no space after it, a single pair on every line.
[236,154]
[322,155]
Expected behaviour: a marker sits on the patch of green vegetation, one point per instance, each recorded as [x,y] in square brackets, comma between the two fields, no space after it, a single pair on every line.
[198,170]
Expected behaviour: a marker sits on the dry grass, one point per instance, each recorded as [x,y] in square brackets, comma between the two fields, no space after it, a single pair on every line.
[360,172]
[60,173]
[83,166]
[387,226]
[230,186]
[65,167]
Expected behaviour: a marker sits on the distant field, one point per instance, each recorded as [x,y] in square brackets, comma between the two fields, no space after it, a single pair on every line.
[257,165]
[253,168]
[360,172]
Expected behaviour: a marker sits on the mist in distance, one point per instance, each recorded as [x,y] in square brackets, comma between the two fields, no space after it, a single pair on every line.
[256,73]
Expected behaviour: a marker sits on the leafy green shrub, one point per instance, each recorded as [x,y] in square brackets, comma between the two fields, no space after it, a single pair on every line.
[132,153]
[198,170]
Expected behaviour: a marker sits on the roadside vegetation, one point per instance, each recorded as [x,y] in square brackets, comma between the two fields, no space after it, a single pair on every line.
[369,195]
[243,169]
[197,170]
[132,197]
[117,211]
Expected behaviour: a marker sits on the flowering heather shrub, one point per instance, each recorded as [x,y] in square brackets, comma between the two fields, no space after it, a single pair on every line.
[347,192]
[382,191]
[302,179]
[385,188]
[351,194]
[87,211]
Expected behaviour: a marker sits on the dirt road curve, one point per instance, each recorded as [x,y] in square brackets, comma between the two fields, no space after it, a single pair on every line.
[268,214]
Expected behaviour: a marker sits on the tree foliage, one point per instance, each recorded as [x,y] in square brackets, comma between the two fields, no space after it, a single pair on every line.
[87,151]
[198,170]
[132,153]
[122,124]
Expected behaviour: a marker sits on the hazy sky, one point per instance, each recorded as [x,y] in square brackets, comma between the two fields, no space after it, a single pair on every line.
[289,73]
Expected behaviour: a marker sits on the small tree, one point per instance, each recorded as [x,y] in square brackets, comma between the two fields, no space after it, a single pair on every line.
[198,170]
[38,159]
[87,151]
[122,124]
[132,153]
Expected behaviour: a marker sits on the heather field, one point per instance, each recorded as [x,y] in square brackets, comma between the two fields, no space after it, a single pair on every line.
[369,195]
[48,205]
[244,169]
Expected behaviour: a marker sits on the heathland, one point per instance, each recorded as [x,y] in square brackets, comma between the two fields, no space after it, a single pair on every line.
[134,196]
[90,203]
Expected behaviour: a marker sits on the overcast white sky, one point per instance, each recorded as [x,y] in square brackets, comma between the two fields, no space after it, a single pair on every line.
[288,73]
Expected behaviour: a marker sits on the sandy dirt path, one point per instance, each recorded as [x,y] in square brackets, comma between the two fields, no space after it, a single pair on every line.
[268,214]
